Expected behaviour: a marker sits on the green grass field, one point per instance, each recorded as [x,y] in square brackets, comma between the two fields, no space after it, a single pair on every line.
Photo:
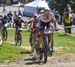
[8,51]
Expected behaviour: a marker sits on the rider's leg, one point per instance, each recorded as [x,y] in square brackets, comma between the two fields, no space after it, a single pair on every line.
[31,41]
[41,34]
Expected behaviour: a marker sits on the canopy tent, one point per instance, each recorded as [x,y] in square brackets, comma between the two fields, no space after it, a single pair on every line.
[31,8]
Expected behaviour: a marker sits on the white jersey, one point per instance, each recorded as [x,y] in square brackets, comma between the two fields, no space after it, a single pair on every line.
[51,17]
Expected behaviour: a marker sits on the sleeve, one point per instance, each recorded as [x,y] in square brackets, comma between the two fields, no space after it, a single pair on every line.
[53,19]
[40,17]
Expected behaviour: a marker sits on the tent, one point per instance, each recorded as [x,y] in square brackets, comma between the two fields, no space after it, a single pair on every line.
[32,7]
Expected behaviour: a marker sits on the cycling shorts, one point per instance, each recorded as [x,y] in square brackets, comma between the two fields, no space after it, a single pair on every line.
[43,24]
[18,28]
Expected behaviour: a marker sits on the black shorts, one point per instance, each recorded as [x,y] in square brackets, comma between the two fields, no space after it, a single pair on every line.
[43,24]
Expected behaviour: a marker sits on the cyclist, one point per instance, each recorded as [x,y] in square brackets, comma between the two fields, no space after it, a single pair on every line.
[10,17]
[18,26]
[5,23]
[45,20]
[33,34]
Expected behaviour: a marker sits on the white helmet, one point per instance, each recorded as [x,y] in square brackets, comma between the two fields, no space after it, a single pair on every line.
[19,16]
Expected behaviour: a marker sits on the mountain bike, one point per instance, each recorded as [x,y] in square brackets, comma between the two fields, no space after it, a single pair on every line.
[46,49]
[18,37]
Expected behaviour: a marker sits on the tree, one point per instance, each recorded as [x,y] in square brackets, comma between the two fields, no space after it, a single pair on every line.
[61,4]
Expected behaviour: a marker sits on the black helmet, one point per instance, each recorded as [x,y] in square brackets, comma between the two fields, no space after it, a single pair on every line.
[5,16]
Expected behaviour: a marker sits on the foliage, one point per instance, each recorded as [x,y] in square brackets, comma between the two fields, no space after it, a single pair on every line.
[61,4]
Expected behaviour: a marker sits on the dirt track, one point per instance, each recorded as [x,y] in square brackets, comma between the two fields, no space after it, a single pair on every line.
[64,60]
[55,61]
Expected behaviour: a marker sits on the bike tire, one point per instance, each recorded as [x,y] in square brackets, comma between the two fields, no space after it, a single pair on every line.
[41,55]
[45,56]
[46,42]
[18,41]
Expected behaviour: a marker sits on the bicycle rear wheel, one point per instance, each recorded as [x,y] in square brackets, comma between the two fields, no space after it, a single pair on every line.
[18,41]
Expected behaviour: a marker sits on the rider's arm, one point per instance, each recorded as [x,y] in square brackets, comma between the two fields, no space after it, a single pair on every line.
[55,22]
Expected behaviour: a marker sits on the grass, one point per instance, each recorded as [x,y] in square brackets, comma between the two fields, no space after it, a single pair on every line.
[60,40]
[9,52]
[25,37]
[65,41]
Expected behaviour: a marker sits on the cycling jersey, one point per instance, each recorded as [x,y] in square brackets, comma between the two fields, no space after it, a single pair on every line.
[19,23]
[5,22]
[46,22]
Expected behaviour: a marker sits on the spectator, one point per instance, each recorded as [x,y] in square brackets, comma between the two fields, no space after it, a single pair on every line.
[10,17]
[19,13]
[14,17]
[67,9]
[58,17]
[67,23]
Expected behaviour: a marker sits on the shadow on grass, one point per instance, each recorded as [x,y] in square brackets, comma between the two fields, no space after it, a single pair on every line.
[25,52]
[62,35]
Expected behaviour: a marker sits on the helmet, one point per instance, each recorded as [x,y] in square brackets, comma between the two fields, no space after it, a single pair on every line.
[35,15]
[5,16]
[47,10]
[19,16]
